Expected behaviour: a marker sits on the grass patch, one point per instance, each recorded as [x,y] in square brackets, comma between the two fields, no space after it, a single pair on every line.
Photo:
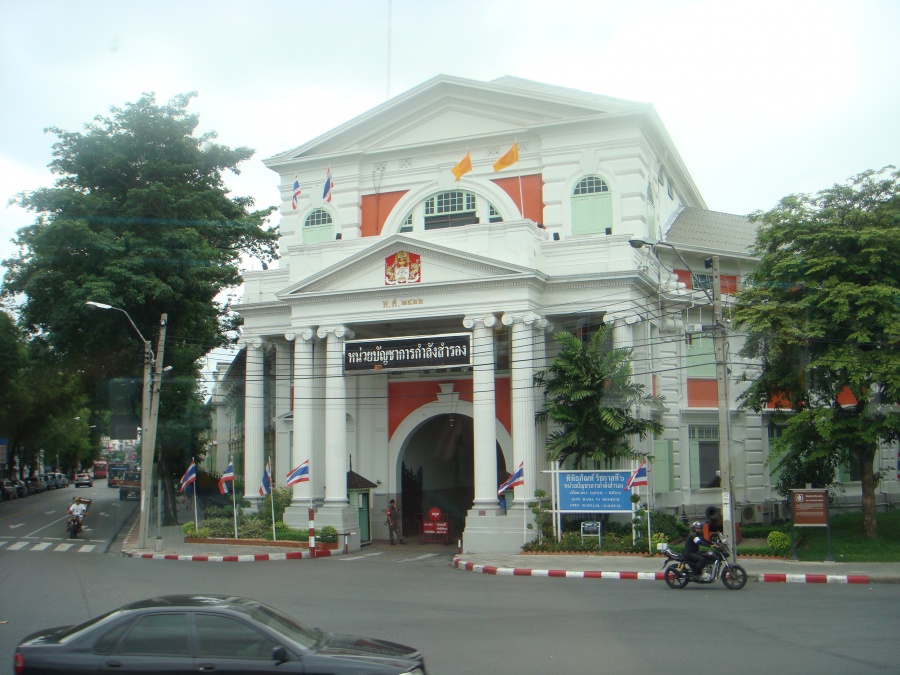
[847,542]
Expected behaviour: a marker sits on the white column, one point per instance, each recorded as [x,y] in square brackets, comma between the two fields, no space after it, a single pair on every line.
[484,410]
[522,398]
[336,463]
[254,424]
[303,409]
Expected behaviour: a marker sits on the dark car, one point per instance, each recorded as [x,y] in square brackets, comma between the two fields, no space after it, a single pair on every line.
[8,489]
[21,487]
[199,633]
[36,484]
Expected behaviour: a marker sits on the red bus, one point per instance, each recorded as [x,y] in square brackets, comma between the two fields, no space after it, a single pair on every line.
[100,468]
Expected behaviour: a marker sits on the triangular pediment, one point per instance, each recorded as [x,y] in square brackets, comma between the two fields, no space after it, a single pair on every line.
[426,266]
[447,109]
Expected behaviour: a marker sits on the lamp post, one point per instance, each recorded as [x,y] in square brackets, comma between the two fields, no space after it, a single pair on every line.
[149,415]
[715,300]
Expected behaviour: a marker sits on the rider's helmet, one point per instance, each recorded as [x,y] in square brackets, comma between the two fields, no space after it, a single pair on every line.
[696,525]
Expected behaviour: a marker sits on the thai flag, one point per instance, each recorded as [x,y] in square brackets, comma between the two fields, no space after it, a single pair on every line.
[227,477]
[326,193]
[639,477]
[266,486]
[189,476]
[299,475]
[517,478]
[295,200]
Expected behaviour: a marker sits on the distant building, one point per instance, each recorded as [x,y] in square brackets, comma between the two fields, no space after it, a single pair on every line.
[401,331]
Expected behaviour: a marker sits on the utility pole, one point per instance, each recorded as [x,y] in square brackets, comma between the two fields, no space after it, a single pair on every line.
[720,336]
[150,417]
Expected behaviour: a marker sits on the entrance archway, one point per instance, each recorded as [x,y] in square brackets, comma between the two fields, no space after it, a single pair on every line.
[438,470]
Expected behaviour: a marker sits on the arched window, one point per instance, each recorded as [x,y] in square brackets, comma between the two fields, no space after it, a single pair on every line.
[591,207]
[317,227]
[453,208]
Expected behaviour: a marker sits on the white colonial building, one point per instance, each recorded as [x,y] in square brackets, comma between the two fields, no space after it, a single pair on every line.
[395,345]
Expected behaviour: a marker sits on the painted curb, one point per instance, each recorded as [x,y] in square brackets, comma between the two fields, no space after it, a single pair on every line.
[656,576]
[248,557]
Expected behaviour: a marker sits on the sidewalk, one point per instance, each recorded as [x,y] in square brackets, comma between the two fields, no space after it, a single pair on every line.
[171,546]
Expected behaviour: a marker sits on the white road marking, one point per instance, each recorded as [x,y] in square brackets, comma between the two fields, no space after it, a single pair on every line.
[18,546]
[421,557]
[12,527]
[345,558]
[41,546]
[63,547]
[87,548]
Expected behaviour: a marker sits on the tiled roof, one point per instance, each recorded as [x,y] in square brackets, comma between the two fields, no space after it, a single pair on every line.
[713,230]
[357,482]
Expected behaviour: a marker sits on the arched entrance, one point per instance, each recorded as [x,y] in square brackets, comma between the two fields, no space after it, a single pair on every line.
[437,463]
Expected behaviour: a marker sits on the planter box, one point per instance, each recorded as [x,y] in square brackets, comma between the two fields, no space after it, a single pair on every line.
[320,546]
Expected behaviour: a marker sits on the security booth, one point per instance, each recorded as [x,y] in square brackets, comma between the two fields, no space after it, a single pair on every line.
[435,528]
[358,492]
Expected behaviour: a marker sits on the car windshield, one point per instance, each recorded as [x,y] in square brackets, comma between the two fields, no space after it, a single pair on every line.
[306,637]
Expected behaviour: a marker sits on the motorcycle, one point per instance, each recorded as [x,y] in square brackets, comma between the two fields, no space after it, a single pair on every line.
[679,572]
[73,526]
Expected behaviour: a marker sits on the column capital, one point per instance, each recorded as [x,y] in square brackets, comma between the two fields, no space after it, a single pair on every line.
[306,334]
[488,321]
[529,318]
[255,342]
[340,332]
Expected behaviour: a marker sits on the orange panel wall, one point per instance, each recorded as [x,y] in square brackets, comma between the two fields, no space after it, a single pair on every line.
[702,393]
[405,397]
[375,210]
[532,193]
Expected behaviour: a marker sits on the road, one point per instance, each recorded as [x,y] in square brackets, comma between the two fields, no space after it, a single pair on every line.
[38,523]
[475,623]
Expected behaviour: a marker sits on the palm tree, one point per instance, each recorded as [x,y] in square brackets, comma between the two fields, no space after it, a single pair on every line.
[591,397]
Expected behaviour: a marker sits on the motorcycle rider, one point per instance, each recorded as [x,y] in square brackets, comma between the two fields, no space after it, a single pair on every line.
[692,548]
[77,509]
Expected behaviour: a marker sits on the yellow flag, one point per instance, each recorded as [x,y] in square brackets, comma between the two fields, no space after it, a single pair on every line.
[509,158]
[464,166]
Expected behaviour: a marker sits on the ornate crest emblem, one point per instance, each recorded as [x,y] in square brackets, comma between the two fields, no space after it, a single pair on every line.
[402,268]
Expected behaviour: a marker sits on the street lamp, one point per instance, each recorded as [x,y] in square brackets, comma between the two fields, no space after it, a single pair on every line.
[715,299]
[149,415]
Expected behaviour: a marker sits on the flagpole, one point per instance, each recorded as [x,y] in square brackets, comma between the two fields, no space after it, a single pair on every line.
[233,497]
[196,523]
[272,501]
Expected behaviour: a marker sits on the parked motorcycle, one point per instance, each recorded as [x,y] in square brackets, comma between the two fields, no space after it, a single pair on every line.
[679,572]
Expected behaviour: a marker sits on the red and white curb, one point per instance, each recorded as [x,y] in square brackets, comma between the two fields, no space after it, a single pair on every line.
[653,576]
[248,557]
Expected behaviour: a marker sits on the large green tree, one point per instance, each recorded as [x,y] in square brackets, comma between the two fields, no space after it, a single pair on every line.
[139,218]
[822,312]
[592,398]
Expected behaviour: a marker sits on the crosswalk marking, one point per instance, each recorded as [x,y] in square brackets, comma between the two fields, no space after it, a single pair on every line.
[63,547]
[87,548]
[41,546]
[19,545]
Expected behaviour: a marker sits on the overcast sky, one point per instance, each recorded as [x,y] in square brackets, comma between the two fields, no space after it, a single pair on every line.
[762,99]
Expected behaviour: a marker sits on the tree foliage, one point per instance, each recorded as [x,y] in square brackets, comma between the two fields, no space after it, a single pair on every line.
[139,218]
[822,311]
[591,397]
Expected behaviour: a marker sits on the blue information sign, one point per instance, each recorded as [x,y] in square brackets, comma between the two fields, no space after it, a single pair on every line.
[594,492]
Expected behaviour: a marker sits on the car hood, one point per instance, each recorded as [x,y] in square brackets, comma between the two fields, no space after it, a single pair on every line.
[369,648]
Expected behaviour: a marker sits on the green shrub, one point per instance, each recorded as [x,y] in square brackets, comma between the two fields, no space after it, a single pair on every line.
[255,527]
[327,534]
[220,527]
[778,542]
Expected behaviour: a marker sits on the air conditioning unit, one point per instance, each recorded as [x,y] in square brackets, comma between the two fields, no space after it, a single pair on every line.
[751,513]
[693,328]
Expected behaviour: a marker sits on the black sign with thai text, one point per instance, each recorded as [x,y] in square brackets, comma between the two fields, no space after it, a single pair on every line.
[420,352]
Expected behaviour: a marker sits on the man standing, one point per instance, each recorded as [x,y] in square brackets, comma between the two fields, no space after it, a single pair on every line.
[393,523]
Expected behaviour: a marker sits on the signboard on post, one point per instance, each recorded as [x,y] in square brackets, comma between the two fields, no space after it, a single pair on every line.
[810,508]
[594,492]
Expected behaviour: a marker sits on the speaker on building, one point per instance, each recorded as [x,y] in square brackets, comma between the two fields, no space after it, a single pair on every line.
[337,236]
[712,512]
[556,236]
[608,230]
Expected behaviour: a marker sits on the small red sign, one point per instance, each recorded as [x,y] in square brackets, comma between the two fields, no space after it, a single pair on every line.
[436,527]
[435,514]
